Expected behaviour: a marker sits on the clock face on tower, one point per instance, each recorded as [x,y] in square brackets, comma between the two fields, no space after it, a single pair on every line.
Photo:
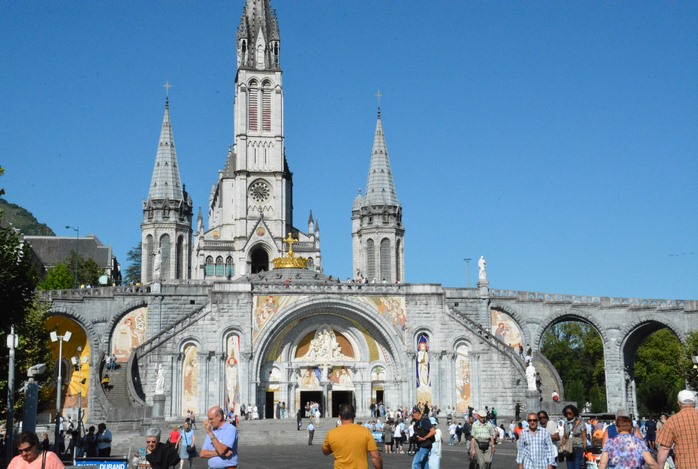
[259,191]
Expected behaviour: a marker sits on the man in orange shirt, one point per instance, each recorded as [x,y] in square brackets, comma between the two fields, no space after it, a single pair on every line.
[681,430]
[349,443]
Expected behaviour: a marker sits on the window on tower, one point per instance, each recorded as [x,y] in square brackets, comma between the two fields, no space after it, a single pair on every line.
[266,106]
[253,106]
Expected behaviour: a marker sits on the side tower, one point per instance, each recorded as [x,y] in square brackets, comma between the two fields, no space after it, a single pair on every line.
[251,203]
[376,219]
[167,213]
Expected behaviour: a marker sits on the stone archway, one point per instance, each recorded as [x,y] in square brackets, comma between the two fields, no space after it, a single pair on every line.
[339,369]
[632,337]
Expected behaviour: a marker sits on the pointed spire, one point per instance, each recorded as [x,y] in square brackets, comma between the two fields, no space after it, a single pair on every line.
[380,189]
[165,183]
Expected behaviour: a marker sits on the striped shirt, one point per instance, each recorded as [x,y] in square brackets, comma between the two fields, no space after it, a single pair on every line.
[681,430]
[535,450]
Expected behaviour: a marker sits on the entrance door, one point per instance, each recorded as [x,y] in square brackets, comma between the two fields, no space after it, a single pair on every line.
[259,261]
[269,406]
[311,396]
[339,398]
[379,396]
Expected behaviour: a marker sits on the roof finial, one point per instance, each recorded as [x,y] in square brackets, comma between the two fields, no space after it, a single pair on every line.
[167,87]
[378,95]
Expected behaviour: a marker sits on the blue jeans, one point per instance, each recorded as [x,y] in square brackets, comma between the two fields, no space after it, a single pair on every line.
[421,458]
[576,459]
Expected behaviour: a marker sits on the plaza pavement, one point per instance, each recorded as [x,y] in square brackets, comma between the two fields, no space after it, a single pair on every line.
[304,456]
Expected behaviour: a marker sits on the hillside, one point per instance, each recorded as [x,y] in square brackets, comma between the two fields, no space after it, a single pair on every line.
[23,220]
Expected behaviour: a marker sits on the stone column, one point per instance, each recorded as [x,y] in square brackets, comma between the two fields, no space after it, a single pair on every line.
[475,380]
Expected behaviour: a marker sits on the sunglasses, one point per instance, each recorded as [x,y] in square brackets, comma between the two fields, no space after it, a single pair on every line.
[533,420]
[24,450]
[541,417]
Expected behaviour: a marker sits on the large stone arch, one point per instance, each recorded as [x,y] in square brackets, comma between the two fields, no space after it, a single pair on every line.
[562,316]
[346,313]
[375,324]
[87,325]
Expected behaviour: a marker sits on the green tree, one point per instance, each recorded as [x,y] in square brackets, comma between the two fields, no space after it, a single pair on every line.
[87,269]
[688,368]
[576,351]
[59,277]
[133,271]
[658,374]
[18,278]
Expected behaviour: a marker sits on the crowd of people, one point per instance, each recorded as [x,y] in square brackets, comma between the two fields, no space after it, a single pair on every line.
[541,442]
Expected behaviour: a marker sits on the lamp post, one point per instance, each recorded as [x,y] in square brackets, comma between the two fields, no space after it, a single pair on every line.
[12,343]
[77,253]
[467,267]
[59,387]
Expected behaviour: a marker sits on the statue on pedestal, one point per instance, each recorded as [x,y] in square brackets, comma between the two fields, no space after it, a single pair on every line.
[160,380]
[482,265]
[531,377]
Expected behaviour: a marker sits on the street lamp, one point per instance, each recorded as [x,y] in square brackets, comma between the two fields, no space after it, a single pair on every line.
[467,266]
[77,253]
[60,339]
[77,363]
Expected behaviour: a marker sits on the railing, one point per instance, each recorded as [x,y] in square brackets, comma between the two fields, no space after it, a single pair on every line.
[689,305]
[166,334]
[490,338]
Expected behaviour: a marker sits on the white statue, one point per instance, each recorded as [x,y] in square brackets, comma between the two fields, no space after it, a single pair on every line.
[531,377]
[160,380]
[482,264]
[157,263]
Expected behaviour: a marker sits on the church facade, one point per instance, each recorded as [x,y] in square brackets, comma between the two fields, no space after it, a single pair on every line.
[219,324]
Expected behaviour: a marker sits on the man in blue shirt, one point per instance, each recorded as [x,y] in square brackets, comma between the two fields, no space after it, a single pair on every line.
[221,445]
[535,447]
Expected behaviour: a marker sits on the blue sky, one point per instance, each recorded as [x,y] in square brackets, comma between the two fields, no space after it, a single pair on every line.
[557,139]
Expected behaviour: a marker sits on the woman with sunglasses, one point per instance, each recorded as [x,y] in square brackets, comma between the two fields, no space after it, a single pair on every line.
[31,456]
[577,432]
[159,455]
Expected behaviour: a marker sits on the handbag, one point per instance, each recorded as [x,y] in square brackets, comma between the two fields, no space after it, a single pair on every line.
[568,447]
[191,449]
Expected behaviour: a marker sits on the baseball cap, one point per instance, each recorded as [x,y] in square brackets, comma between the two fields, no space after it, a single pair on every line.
[687,397]
[622,413]
[482,413]
[416,410]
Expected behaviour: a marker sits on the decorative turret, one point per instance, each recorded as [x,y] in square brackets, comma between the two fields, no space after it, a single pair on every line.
[258,37]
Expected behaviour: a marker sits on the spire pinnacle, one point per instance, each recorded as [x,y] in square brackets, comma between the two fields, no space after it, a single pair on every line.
[380,188]
[166,183]
[378,95]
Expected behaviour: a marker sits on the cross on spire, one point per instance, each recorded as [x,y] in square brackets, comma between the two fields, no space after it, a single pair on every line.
[167,87]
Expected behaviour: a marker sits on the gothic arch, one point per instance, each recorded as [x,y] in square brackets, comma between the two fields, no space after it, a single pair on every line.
[572,315]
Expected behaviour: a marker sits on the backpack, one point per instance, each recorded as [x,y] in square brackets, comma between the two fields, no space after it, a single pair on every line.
[459,430]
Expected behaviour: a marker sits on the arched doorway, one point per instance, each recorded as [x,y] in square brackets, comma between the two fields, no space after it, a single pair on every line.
[259,260]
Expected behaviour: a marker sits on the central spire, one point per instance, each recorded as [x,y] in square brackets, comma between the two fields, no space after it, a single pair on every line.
[380,188]
[165,183]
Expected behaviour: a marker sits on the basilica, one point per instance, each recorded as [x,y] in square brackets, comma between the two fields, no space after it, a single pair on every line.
[234,309]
